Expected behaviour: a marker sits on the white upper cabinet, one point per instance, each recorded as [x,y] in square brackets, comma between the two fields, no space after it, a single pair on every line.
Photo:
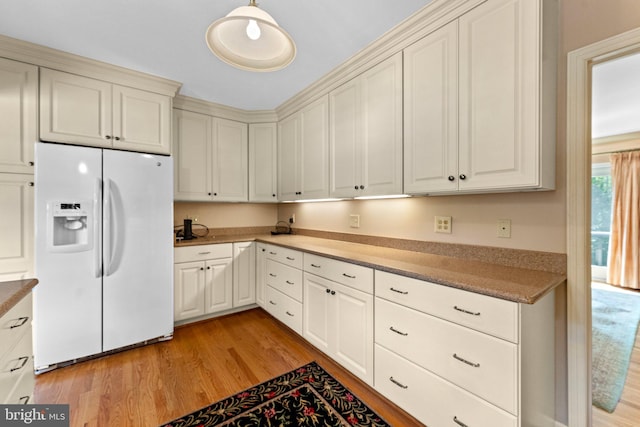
[210,158]
[366,133]
[263,162]
[16,227]
[503,65]
[18,115]
[81,110]
[303,153]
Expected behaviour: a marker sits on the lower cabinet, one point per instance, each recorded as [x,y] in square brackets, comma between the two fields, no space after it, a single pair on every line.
[283,285]
[16,354]
[244,273]
[261,271]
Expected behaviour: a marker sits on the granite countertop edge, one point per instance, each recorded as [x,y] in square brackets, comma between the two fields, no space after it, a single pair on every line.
[11,292]
[520,285]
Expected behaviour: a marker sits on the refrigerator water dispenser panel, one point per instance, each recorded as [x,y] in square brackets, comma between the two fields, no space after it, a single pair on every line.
[70,226]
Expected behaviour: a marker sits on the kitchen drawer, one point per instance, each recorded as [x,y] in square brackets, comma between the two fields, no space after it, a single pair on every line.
[287,280]
[483,313]
[286,256]
[355,276]
[429,398]
[23,390]
[481,364]
[17,361]
[285,309]
[202,252]
[15,324]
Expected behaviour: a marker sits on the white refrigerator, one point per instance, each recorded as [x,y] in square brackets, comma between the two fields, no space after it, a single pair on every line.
[104,251]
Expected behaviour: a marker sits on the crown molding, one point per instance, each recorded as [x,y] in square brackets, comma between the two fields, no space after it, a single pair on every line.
[196,105]
[426,20]
[42,56]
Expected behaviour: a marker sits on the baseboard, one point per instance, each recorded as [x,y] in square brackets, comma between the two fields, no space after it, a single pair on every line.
[559,424]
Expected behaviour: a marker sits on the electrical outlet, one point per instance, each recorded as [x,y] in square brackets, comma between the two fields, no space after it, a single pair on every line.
[354,221]
[442,224]
[504,228]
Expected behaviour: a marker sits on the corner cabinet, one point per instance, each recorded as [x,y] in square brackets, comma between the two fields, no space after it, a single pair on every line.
[480,101]
[244,273]
[81,110]
[366,133]
[303,153]
[211,158]
[263,162]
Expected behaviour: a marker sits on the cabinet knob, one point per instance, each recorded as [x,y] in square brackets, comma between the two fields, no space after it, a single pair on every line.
[355,187]
[201,268]
[107,137]
[273,195]
[333,292]
[463,176]
[215,194]
[31,184]
[209,194]
[208,267]
[451,178]
[362,187]
[328,291]
[117,138]
[31,163]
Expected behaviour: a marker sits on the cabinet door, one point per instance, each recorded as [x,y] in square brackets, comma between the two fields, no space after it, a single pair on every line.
[16,226]
[188,290]
[314,150]
[74,109]
[192,153]
[141,120]
[499,95]
[381,139]
[244,274]
[263,162]
[261,273]
[218,287]
[288,158]
[345,140]
[431,113]
[317,314]
[230,161]
[353,331]
[18,115]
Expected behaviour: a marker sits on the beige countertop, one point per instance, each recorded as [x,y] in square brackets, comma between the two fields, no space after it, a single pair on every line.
[520,285]
[12,292]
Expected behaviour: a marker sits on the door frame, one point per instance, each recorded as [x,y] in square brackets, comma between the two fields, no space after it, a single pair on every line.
[578,218]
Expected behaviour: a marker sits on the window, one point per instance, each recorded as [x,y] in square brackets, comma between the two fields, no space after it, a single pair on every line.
[600,219]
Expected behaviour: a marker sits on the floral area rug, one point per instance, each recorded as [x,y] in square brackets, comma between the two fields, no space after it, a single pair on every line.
[307,396]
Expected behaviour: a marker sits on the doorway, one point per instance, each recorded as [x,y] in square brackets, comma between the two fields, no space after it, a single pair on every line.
[580,63]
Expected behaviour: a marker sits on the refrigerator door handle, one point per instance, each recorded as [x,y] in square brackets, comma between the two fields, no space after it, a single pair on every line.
[97,229]
[107,212]
[113,227]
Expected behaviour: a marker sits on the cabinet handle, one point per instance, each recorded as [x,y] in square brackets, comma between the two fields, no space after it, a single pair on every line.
[24,400]
[204,253]
[117,138]
[462,310]
[460,423]
[289,314]
[399,291]
[315,266]
[19,322]
[273,253]
[399,384]
[463,176]
[350,277]
[451,178]
[107,137]
[404,334]
[290,283]
[463,360]
[273,275]
[272,303]
[290,258]
[24,360]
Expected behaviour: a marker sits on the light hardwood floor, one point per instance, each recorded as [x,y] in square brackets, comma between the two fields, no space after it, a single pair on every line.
[627,413]
[203,363]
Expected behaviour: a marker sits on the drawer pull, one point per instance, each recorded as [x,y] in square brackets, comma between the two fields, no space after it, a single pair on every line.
[19,322]
[291,258]
[399,291]
[290,283]
[460,423]
[315,266]
[24,400]
[404,334]
[462,310]
[475,365]
[24,360]
[350,277]
[399,384]
[289,314]
[273,253]
[273,275]
[204,253]
[272,303]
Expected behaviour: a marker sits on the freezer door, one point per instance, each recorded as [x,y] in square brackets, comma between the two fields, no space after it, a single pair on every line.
[67,300]
[138,248]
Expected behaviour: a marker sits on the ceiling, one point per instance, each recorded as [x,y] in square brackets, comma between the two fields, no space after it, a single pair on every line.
[166,38]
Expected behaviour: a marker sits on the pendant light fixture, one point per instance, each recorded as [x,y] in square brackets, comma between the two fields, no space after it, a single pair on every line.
[250,39]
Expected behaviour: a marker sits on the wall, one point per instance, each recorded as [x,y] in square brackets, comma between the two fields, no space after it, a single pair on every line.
[226,215]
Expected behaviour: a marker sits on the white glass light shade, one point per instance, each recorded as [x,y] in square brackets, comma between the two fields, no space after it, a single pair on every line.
[236,40]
